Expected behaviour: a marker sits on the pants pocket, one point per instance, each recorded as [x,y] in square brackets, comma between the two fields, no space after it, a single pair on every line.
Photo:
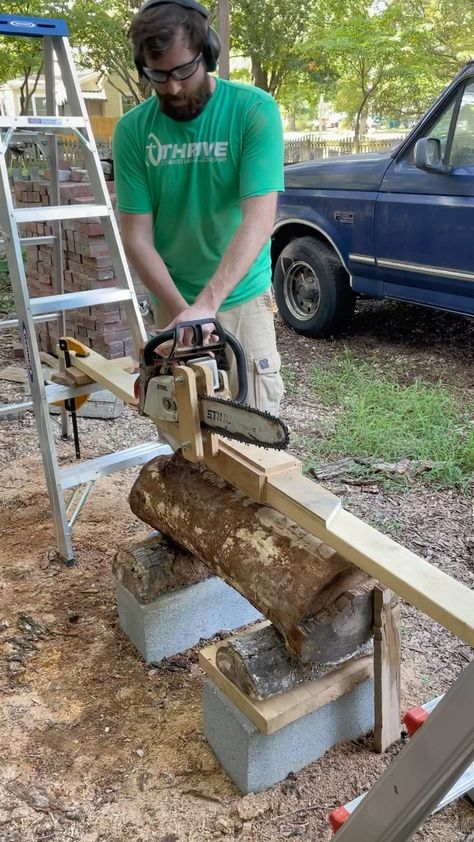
[267,382]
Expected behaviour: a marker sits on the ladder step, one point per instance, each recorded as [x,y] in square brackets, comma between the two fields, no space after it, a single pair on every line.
[56,392]
[103,465]
[6,324]
[42,123]
[74,300]
[37,241]
[33,241]
[12,408]
[44,213]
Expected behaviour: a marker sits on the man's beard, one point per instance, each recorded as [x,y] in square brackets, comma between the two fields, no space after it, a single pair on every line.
[194,105]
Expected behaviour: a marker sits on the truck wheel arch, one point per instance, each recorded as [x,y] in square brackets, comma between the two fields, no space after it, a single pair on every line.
[289,229]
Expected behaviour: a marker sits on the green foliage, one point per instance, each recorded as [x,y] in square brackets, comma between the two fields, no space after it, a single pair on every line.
[22,57]
[389,59]
[374,416]
[392,58]
[99,36]
[270,33]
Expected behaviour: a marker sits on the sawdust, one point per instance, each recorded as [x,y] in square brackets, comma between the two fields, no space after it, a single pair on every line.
[96,744]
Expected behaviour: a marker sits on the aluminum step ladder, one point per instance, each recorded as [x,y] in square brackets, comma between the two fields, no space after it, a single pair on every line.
[421,775]
[56,48]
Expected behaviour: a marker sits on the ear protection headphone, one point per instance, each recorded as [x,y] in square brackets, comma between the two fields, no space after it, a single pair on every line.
[212,47]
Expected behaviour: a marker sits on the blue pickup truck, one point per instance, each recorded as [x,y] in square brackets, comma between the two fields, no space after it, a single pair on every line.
[397,224]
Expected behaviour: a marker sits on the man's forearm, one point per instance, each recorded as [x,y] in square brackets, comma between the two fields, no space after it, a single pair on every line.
[153,272]
[242,251]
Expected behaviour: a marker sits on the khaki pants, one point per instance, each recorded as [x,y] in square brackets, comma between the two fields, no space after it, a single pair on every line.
[253,325]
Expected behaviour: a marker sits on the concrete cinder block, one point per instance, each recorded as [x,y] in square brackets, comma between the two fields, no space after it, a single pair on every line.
[256,761]
[177,620]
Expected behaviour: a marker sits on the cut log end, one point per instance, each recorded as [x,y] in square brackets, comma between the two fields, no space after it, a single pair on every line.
[155,566]
[260,666]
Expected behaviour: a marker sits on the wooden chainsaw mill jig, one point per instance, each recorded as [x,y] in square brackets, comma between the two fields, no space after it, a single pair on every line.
[273,478]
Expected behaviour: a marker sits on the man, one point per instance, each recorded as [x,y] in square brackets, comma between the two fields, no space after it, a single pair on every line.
[197,170]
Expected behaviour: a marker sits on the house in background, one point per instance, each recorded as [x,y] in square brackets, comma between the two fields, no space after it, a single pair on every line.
[105,104]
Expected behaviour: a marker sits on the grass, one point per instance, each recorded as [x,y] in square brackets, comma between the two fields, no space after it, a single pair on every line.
[288,377]
[374,416]
[7,302]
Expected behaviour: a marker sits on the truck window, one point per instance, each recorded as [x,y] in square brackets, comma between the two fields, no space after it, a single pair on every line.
[462,149]
[440,128]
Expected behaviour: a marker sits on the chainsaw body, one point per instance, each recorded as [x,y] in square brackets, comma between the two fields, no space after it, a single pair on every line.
[184,390]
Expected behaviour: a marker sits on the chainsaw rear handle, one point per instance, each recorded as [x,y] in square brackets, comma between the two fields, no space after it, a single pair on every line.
[224,339]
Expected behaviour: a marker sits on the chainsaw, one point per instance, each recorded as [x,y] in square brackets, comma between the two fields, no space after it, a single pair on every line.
[184,391]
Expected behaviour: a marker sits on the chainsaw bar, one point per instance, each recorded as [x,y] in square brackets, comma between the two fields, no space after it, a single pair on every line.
[244,423]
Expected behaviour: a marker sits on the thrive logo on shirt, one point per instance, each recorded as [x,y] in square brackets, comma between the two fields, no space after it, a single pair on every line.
[174,153]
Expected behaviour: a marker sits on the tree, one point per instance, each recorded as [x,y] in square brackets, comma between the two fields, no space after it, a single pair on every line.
[99,36]
[366,50]
[23,57]
[269,33]
[392,57]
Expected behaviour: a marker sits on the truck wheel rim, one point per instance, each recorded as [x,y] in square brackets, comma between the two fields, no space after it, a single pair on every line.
[302,290]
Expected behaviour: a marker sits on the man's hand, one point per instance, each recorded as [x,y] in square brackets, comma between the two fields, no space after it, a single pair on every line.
[194,313]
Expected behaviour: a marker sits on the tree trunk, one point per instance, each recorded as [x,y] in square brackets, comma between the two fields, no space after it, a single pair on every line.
[259,76]
[294,579]
[259,665]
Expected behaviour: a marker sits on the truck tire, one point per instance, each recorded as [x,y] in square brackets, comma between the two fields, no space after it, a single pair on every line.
[312,289]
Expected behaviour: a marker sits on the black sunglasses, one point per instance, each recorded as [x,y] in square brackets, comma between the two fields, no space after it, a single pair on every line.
[179,73]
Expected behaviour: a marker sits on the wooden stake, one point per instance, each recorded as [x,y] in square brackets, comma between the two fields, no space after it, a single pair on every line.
[386,669]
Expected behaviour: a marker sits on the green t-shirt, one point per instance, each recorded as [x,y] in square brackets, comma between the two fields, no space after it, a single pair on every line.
[193,175]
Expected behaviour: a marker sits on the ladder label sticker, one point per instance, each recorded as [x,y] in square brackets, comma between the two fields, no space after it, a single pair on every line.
[26,344]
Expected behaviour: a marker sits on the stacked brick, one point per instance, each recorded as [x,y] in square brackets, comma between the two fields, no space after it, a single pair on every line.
[87,265]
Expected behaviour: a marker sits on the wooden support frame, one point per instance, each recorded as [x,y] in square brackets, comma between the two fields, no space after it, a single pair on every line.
[387,655]
[269,715]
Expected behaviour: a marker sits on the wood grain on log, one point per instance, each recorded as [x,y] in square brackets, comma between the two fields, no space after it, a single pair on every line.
[318,601]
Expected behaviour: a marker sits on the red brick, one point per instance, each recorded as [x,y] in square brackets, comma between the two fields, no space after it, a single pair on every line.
[97,262]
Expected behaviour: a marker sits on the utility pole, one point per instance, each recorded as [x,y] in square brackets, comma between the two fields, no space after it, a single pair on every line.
[223,28]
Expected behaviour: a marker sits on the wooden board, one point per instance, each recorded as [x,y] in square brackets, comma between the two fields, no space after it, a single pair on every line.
[70,377]
[270,715]
[301,499]
[108,373]
[248,467]
[14,374]
[49,360]
[422,584]
[387,687]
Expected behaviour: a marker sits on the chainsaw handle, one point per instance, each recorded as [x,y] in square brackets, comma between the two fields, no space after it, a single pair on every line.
[240,360]
[224,338]
[150,353]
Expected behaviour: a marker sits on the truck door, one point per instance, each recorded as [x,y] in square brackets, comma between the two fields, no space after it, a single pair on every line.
[424,220]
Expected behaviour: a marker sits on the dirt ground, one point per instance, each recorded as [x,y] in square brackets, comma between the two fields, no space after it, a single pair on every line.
[98,745]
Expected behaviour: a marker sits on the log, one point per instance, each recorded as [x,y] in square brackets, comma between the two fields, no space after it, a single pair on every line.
[259,665]
[155,566]
[320,603]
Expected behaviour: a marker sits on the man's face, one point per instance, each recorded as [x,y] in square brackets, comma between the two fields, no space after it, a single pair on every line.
[180,99]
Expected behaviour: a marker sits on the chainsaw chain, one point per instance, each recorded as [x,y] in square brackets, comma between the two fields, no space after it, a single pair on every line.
[242,437]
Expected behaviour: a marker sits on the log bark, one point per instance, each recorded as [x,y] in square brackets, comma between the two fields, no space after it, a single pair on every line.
[294,579]
[260,666]
[155,566]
